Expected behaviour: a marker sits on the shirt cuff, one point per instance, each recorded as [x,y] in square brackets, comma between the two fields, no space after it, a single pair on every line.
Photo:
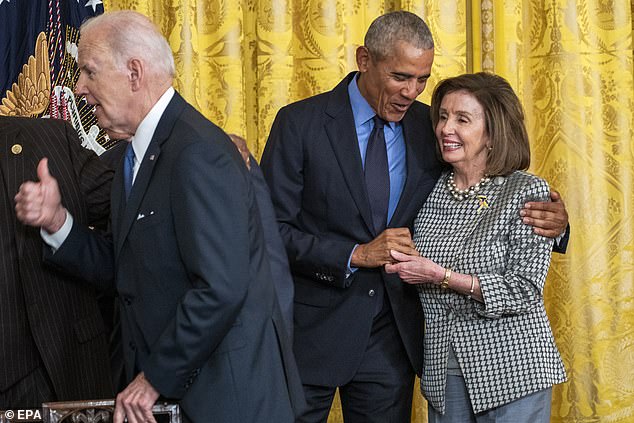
[55,240]
[350,270]
[559,238]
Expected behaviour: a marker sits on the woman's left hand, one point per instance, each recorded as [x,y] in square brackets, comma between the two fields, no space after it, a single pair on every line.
[415,269]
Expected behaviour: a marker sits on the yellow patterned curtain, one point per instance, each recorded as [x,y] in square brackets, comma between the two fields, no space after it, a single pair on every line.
[570,62]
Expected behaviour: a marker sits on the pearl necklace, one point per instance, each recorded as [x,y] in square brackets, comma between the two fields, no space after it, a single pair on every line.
[461,194]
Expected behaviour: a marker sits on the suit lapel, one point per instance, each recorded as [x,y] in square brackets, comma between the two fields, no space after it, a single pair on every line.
[141,182]
[15,166]
[128,211]
[343,139]
[117,200]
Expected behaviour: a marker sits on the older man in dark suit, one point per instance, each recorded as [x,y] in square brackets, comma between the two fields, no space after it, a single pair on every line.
[348,170]
[54,342]
[199,318]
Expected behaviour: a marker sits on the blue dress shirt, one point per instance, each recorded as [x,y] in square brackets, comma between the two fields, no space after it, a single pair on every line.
[394,141]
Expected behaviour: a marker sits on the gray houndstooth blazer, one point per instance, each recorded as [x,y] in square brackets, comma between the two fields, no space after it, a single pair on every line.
[505,346]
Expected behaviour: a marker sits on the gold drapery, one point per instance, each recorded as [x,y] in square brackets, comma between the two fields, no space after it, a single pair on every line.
[571,64]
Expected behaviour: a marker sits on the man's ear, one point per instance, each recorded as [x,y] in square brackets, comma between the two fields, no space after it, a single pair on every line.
[135,73]
[363,58]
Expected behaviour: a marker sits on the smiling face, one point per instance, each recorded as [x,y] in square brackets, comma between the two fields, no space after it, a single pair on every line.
[105,85]
[392,84]
[461,133]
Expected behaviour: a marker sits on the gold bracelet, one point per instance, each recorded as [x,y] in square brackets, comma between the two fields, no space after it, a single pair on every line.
[472,285]
[445,282]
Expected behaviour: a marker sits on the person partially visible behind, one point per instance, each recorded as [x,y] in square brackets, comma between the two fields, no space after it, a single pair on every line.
[280,270]
[53,338]
[108,301]
[489,352]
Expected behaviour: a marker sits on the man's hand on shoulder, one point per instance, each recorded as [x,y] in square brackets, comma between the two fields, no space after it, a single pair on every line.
[548,219]
[135,402]
[39,203]
[376,253]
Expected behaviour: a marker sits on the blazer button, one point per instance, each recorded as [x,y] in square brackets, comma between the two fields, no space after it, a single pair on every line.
[127,300]
[371,293]
[132,346]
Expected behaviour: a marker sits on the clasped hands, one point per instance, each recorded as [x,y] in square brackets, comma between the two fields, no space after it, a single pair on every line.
[395,250]
[376,253]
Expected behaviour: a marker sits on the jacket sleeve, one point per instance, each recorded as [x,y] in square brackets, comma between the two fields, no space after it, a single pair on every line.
[519,287]
[561,244]
[85,254]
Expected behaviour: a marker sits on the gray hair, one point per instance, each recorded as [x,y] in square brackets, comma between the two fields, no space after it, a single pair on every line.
[133,35]
[389,29]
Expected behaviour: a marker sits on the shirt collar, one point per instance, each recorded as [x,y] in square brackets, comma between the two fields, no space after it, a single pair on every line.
[361,109]
[145,131]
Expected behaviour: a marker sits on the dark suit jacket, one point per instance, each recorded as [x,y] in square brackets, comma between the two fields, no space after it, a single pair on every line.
[313,167]
[45,312]
[274,246]
[278,260]
[108,301]
[199,314]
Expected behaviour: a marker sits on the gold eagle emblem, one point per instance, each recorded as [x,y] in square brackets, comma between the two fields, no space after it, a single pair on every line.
[29,96]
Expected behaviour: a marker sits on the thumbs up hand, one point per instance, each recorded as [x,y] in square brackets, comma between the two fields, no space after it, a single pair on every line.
[40,203]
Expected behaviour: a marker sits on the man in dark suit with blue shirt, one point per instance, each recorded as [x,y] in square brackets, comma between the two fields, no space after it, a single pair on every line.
[199,317]
[348,170]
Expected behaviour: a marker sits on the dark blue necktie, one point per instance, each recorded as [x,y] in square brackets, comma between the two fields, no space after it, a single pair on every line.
[128,169]
[377,175]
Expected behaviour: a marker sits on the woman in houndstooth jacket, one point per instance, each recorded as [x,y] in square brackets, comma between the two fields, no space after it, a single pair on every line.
[489,352]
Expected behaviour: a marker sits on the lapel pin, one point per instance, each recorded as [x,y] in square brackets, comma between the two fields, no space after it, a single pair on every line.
[152,157]
[16,149]
[482,202]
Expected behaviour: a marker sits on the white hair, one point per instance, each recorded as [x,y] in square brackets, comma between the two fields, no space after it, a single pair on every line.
[133,35]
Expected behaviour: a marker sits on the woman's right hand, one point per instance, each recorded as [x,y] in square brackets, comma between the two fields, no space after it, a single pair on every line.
[415,269]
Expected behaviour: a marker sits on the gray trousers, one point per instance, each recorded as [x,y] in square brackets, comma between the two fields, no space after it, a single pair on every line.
[533,408]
